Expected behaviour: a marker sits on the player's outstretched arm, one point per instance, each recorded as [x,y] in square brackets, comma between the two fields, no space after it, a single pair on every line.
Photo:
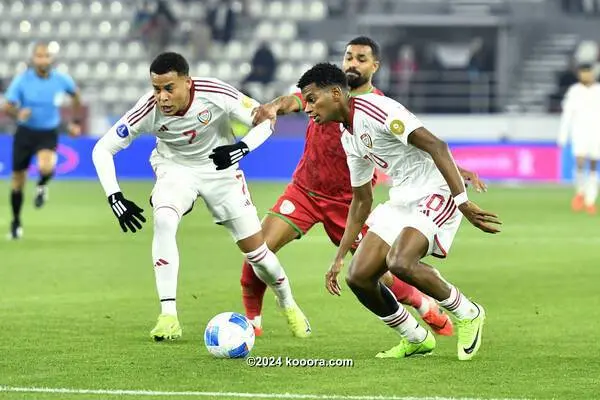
[360,208]
[280,106]
[74,127]
[440,153]
[226,156]
[127,212]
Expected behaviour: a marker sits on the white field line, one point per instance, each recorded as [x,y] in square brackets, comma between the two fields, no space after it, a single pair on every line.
[107,392]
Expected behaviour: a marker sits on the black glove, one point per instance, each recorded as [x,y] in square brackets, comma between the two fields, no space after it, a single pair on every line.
[127,212]
[225,156]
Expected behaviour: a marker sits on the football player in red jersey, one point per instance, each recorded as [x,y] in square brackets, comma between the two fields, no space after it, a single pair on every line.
[321,192]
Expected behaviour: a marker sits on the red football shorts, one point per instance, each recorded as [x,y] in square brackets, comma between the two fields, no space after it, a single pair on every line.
[303,209]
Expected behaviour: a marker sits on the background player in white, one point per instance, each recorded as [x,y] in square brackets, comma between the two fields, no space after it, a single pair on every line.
[420,218]
[191,118]
[579,121]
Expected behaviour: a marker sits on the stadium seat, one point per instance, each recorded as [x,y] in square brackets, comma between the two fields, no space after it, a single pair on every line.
[264,30]
[318,51]
[294,10]
[279,49]
[297,50]
[6,28]
[224,71]
[286,72]
[286,30]
[276,10]
[317,10]
[202,69]
[116,8]
[17,10]
[65,29]
[233,50]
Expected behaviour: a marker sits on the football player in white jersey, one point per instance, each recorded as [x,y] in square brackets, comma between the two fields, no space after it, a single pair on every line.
[580,122]
[420,219]
[191,119]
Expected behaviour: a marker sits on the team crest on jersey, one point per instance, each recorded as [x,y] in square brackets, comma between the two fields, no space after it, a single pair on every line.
[204,117]
[122,131]
[366,139]
[397,127]
[247,102]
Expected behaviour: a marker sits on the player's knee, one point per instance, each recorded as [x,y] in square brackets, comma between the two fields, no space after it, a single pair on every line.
[18,180]
[357,277]
[165,219]
[400,265]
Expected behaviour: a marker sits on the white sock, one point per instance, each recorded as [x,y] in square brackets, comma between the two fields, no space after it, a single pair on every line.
[257,321]
[406,325]
[459,305]
[267,267]
[591,188]
[166,257]
[579,181]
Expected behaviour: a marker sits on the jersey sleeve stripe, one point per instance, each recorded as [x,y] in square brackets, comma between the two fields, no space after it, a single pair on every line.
[140,109]
[213,82]
[370,113]
[134,120]
[372,107]
[202,88]
[214,85]
[221,91]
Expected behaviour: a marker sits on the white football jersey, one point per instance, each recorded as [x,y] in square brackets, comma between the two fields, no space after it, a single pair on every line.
[378,138]
[189,137]
[580,113]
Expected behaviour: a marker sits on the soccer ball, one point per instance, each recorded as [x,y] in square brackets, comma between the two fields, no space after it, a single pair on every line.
[229,335]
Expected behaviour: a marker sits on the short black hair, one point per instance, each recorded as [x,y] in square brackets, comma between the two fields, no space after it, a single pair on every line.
[323,75]
[367,41]
[585,67]
[167,62]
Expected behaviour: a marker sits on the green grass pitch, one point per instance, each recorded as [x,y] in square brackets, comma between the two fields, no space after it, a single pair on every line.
[77,301]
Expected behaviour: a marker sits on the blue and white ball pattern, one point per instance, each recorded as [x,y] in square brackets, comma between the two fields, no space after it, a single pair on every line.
[229,335]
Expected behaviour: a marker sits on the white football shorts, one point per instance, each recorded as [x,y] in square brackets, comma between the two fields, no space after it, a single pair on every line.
[435,216]
[225,194]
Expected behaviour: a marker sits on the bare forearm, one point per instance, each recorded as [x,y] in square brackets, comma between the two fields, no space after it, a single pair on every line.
[11,110]
[357,216]
[443,160]
[439,151]
[286,104]
[76,106]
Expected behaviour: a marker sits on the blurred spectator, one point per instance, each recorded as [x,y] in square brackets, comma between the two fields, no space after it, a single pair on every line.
[403,69]
[221,17]
[154,24]
[142,21]
[565,79]
[197,36]
[263,65]
[166,26]
[589,7]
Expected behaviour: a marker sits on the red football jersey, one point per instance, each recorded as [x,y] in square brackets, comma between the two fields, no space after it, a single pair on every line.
[322,168]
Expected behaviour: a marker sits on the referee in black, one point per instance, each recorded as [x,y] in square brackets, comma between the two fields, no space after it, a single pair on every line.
[34,98]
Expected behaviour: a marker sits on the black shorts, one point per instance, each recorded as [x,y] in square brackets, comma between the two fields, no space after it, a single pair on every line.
[28,142]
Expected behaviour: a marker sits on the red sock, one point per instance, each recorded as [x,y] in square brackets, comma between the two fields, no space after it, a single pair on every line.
[253,291]
[406,294]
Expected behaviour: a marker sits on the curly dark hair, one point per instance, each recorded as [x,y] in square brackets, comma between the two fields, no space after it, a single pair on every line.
[167,62]
[323,75]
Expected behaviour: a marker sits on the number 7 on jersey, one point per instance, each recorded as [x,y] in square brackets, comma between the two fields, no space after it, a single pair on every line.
[192,134]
